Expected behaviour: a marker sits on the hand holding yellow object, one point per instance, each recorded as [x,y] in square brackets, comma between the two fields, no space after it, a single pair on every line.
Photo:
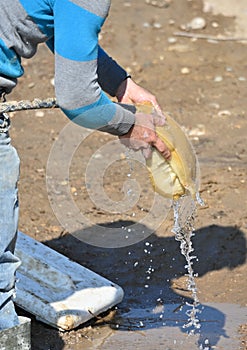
[178,175]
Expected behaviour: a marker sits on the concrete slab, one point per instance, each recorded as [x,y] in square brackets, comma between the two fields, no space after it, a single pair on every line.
[58,291]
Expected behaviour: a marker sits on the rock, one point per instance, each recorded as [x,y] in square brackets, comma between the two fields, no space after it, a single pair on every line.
[199,130]
[224,113]
[196,23]
[215,24]
[157,25]
[185,70]
[39,114]
[172,40]
[31,85]
[218,79]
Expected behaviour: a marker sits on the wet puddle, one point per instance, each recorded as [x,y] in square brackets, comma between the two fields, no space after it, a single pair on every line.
[141,329]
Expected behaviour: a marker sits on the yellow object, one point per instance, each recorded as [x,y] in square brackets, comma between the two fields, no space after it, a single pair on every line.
[178,176]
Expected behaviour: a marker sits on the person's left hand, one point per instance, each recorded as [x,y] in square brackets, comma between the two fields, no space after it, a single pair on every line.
[131,93]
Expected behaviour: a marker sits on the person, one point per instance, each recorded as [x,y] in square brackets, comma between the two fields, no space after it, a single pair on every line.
[86,78]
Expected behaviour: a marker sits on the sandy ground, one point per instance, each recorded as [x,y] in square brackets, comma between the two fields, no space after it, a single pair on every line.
[202,84]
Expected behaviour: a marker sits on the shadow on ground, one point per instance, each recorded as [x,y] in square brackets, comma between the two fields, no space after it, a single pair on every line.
[146,270]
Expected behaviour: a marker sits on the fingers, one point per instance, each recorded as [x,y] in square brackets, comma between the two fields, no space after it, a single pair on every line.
[143,136]
[162,148]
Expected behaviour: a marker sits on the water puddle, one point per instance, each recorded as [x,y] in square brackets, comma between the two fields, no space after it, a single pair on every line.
[143,329]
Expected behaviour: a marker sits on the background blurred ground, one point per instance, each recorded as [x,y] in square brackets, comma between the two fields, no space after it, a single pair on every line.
[202,84]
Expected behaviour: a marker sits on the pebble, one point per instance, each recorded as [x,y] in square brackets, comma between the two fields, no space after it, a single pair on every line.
[157,25]
[172,40]
[185,70]
[229,69]
[242,79]
[39,114]
[73,189]
[159,4]
[97,156]
[196,23]
[52,81]
[40,170]
[214,105]
[199,130]
[146,25]
[31,85]
[215,24]
[224,113]
[218,78]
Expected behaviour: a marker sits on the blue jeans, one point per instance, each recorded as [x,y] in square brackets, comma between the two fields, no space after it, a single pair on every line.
[9,175]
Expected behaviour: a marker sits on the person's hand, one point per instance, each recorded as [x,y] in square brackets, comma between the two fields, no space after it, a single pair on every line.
[131,93]
[142,135]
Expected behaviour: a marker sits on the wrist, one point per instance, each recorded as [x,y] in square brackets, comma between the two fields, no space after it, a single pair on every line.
[121,90]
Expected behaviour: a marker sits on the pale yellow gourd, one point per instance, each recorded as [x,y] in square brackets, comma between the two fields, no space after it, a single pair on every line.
[178,176]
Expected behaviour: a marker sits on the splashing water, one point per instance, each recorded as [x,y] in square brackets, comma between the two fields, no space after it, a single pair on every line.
[184,214]
[205,346]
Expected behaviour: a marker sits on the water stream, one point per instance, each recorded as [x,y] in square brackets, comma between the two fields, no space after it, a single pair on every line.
[184,216]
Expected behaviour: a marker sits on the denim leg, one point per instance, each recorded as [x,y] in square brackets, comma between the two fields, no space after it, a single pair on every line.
[9,175]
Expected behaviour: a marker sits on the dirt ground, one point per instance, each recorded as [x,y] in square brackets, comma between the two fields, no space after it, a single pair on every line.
[202,84]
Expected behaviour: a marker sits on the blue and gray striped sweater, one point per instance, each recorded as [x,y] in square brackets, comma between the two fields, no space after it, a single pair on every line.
[83,71]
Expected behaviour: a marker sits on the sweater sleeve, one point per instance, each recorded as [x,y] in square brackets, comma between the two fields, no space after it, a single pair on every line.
[110,74]
[77,54]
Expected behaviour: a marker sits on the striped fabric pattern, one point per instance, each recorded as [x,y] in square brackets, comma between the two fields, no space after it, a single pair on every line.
[84,73]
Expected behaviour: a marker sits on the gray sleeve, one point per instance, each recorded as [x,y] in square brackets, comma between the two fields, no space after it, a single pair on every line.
[123,120]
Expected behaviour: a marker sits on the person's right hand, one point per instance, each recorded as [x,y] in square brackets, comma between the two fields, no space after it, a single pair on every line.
[142,135]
